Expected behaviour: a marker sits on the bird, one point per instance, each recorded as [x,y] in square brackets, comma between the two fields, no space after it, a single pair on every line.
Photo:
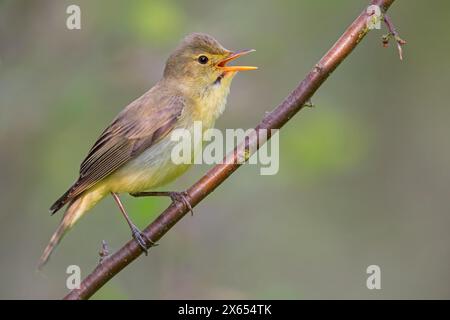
[133,154]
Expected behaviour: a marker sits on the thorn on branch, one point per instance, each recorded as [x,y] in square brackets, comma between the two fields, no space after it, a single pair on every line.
[104,251]
[392,34]
[318,68]
[309,104]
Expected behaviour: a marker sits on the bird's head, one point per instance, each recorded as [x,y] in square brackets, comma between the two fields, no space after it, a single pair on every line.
[200,63]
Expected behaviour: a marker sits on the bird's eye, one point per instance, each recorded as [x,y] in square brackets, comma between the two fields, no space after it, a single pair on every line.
[203,59]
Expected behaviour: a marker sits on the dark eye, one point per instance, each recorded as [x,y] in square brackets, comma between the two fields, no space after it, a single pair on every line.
[203,59]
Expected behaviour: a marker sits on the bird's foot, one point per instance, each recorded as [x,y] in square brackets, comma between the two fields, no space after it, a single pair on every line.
[142,239]
[181,197]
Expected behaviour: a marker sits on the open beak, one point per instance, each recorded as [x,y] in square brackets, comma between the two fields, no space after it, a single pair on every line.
[234,55]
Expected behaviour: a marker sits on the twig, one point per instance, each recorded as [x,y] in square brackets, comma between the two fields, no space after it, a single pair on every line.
[214,177]
[104,251]
[393,33]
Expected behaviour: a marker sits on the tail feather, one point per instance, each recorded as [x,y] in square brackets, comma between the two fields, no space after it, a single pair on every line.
[74,211]
[61,202]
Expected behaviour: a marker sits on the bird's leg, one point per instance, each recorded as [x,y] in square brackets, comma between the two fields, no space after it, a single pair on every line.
[175,196]
[137,234]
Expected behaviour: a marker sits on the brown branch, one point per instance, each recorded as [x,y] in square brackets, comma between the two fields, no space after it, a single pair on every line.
[219,173]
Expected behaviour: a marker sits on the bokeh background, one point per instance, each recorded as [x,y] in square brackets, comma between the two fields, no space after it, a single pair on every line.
[364,177]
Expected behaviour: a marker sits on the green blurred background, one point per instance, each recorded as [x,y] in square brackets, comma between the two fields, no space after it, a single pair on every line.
[364,177]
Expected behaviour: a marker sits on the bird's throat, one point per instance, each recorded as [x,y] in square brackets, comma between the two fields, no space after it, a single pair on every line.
[211,103]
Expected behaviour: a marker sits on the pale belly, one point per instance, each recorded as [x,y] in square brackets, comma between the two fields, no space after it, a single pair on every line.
[151,169]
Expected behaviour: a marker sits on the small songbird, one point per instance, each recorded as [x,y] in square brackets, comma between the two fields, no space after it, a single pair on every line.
[133,154]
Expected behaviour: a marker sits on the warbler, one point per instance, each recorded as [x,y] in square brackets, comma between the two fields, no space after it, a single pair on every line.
[133,154]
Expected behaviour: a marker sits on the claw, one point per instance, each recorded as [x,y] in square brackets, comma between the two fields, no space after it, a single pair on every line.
[181,197]
[138,236]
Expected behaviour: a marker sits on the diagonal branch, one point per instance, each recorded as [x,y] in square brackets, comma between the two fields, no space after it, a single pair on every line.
[294,102]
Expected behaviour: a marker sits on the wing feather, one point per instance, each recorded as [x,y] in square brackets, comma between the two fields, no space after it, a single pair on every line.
[139,126]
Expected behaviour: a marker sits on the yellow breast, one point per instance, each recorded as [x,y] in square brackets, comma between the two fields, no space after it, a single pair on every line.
[210,105]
